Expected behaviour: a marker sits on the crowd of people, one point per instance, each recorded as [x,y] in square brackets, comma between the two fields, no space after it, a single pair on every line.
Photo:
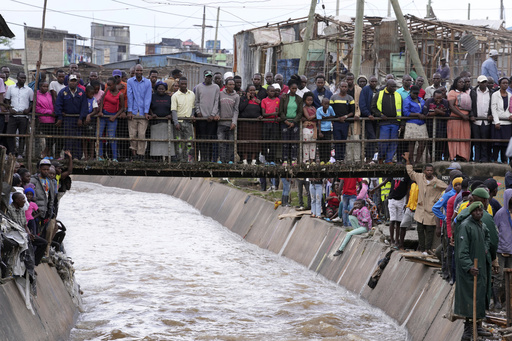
[326,116]
[33,205]
[456,222]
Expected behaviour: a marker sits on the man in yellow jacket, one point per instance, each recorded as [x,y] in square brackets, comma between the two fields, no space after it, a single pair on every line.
[387,105]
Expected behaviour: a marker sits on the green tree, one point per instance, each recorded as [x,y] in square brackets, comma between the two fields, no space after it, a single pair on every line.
[5,45]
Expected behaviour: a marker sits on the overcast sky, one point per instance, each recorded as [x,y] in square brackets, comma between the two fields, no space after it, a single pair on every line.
[150,20]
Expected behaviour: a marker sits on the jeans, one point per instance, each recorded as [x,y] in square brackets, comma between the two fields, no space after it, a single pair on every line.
[286,186]
[388,149]
[316,199]
[226,152]
[289,134]
[71,129]
[301,185]
[346,204]
[357,230]
[482,149]
[20,124]
[370,129]
[111,132]
[425,236]
[340,133]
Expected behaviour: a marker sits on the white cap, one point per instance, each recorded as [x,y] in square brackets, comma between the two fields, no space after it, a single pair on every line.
[276,86]
[493,53]
[228,75]
[482,78]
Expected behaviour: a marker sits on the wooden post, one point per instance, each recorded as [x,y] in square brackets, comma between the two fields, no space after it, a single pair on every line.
[215,41]
[307,37]
[475,280]
[30,146]
[508,294]
[413,53]
[358,37]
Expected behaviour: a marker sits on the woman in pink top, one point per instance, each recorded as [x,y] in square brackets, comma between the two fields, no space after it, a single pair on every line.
[46,120]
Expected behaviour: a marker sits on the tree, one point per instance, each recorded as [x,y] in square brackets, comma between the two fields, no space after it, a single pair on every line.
[5,46]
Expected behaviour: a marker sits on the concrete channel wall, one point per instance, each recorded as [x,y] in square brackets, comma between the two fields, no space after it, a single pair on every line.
[55,312]
[410,293]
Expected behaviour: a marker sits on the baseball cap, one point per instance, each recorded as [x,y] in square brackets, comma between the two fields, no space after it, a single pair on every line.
[73,77]
[276,86]
[493,53]
[454,165]
[481,79]
[443,58]
[117,72]
[208,73]
[45,161]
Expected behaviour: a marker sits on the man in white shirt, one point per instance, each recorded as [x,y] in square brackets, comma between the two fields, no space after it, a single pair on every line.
[58,85]
[481,117]
[436,84]
[19,97]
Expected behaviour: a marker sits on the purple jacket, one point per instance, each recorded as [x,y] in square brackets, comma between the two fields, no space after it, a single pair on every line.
[502,221]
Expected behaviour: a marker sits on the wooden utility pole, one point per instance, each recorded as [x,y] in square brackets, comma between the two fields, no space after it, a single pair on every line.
[216,32]
[307,36]
[409,43]
[358,37]
[30,146]
[502,10]
[389,8]
[338,7]
[203,26]
[469,11]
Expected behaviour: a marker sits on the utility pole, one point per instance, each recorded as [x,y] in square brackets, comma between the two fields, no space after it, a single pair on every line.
[203,26]
[338,7]
[409,43]
[215,41]
[469,11]
[358,37]
[389,8]
[502,10]
[429,9]
[307,36]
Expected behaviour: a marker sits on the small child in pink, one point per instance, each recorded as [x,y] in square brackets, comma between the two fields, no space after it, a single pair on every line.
[32,211]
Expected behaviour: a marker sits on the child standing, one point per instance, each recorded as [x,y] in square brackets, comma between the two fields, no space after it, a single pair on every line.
[90,124]
[315,190]
[32,213]
[269,115]
[324,131]
[361,219]
[309,132]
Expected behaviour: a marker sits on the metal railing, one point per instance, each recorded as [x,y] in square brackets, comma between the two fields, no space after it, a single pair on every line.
[59,137]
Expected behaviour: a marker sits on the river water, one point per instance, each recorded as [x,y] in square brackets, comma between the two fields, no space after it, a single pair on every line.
[152,268]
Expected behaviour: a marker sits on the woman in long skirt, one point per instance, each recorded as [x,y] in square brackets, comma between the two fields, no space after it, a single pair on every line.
[460,106]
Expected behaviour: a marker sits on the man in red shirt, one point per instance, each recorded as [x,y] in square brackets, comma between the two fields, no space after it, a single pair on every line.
[348,189]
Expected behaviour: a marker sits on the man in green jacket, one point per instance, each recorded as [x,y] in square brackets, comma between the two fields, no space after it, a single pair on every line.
[472,242]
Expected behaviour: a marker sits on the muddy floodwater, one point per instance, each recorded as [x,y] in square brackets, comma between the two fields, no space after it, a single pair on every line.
[153,268]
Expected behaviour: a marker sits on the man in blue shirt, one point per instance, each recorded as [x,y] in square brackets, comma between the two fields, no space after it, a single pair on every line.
[71,110]
[370,127]
[320,92]
[489,67]
[139,100]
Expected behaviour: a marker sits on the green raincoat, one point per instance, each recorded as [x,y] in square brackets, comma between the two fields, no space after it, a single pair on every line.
[472,241]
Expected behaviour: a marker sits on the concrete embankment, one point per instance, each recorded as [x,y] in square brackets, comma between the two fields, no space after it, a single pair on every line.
[410,293]
[55,312]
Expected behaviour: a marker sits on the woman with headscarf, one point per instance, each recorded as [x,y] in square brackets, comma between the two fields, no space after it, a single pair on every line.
[160,114]
[460,106]
[501,110]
